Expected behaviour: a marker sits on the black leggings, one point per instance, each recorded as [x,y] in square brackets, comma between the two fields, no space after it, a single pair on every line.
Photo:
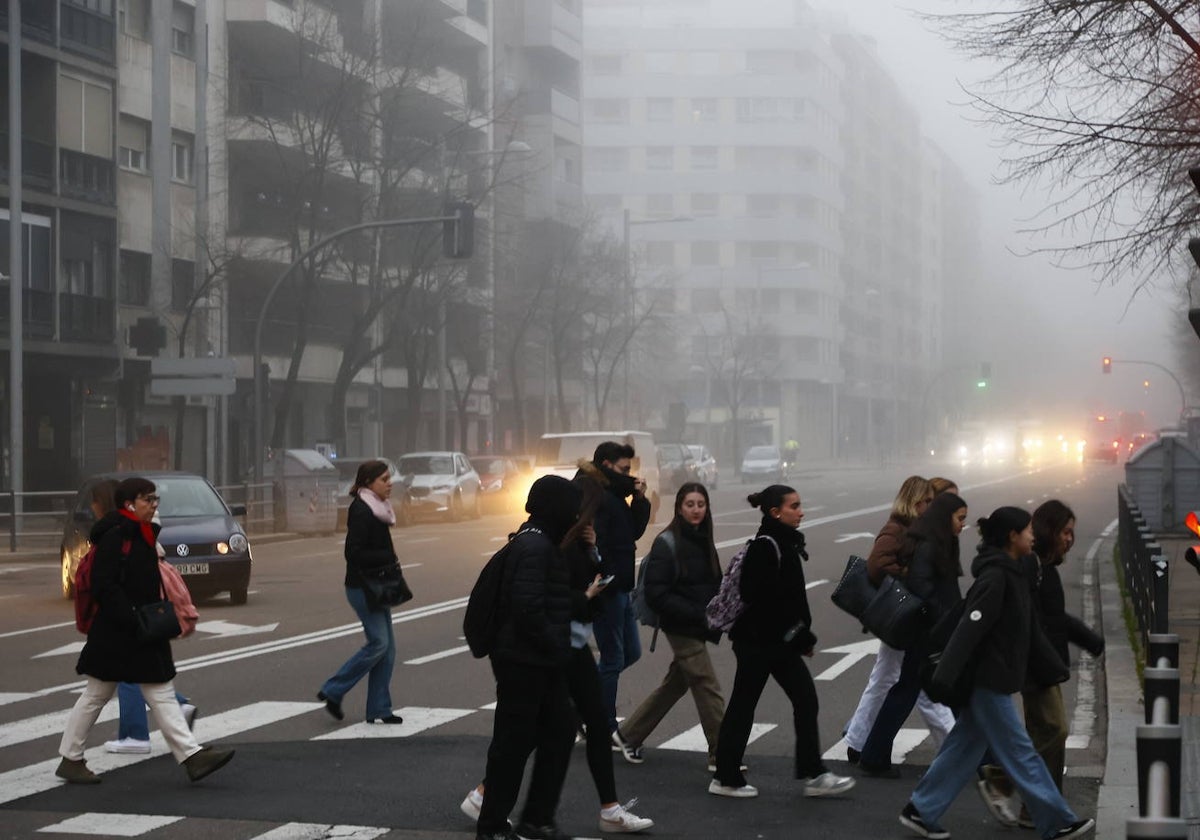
[583,683]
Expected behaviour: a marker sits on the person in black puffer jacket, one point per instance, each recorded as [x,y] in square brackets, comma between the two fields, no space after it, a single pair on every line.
[683,575]
[996,643]
[770,638]
[529,661]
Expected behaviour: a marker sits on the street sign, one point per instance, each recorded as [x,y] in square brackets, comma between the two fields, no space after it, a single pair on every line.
[210,387]
[204,366]
[206,376]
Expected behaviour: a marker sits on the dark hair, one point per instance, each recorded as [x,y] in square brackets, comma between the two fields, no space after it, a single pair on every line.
[368,471]
[1048,522]
[104,494]
[129,489]
[706,524]
[592,497]
[995,529]
[611,450]
[936,526]
[769,498]
[940,485]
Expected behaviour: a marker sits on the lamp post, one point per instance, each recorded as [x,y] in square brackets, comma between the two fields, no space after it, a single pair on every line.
[16,266]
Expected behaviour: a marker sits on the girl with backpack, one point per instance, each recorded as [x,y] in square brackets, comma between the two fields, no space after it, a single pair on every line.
[682,575]
[771,636]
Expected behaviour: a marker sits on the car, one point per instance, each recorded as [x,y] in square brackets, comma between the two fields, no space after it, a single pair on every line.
[502,481]
[706,465]
[199,533]
[347,467]
[763,462]
[442,484]
[676,467]
[560,453]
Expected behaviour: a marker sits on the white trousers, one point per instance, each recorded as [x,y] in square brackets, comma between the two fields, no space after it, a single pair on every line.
[938,718]
[160,697]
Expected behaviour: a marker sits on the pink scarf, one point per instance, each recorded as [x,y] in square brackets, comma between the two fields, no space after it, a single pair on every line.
[383,511]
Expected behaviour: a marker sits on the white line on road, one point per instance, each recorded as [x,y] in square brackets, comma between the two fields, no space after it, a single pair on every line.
[442,654]
[37,629]
[316,831]
[416,719]
[693,740]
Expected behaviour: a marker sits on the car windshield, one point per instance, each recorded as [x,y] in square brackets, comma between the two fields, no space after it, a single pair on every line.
[762,453]
[697,452]
[180,497]
[426,465]
[488,465]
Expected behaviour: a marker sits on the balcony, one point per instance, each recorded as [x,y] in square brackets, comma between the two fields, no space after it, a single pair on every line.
[37,162]
[37,312]
[87,32]
[554,26]
[84,318]
[37,20]
[86,177]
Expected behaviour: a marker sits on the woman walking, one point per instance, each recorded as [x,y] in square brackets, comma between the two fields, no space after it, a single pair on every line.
[770,638]
[368,546]
[930,558]
[683,575]
[124,577]
[995,644]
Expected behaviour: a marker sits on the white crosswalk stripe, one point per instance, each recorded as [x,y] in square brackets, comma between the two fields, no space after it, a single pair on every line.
[42,726]
[906,741]
[416,719]
[316,831]
[110,825]
[693,740]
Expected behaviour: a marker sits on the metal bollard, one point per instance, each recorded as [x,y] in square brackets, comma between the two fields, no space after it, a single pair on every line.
[1161,645]
[1156,828]
[1159,744]
[1161,695]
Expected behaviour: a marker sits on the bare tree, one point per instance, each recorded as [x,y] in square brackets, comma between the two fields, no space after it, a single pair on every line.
[1100,101]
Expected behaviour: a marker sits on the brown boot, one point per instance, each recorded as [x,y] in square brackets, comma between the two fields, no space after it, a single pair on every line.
[76,772]
[208,760]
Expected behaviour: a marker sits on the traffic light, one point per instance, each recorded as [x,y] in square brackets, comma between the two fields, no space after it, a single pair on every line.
[1193,525]
[1107,363]
[1145,383]
[458,233]
[985,373]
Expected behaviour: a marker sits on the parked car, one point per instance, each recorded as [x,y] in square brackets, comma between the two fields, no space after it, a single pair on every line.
[763,462]
[676,466]
[202,538]
[441,484]
[706,465]
[502,481]
[560,454]
[347,467]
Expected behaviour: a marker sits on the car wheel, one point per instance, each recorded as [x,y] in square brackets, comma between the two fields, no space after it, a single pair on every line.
[237,597]
[68,582]
[456,508]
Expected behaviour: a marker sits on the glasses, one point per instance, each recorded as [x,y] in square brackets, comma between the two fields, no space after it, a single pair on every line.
[151,499]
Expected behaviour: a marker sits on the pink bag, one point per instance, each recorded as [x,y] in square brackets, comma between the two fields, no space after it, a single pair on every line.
[177,593]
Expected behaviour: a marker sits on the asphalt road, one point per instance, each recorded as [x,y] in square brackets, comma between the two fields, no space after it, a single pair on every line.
[254,670]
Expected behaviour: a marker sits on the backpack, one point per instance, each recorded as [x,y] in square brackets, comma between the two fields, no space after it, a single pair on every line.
[85,602]
[485,613]
[177,593]
[646,615]
[725,607]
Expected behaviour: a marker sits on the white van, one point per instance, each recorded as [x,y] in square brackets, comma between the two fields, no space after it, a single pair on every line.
[560,454]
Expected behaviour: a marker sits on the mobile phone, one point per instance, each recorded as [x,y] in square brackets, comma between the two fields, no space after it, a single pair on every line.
[607,579]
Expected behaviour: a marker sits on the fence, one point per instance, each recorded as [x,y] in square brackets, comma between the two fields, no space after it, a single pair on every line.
[1144,566]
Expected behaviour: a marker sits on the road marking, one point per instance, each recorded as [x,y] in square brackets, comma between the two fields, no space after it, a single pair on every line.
[433,657]
[1083,719]
[906,741]
[43,726]
[110,825]
[316,831]
[15,697]
[421,540]
[416,719]
[860,535]
[693,740]
[410,565]
[71,647]
[37,629]
[222,629]
[853,652]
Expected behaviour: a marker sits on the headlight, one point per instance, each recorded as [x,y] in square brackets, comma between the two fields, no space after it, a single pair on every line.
[237,543]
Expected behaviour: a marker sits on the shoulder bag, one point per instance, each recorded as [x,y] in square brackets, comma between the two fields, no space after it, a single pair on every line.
[384,586]
[898,617]
[854,591]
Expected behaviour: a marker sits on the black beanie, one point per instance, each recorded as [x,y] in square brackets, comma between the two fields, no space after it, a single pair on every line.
[554,500]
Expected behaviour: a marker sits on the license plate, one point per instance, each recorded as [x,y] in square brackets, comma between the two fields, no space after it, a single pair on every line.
[192,568]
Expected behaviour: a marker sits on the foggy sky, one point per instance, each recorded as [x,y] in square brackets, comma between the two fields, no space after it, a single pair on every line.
[1047,327]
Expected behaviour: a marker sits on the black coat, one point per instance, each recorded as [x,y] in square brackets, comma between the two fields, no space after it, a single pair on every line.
[583,565]
[619,524]
[368,542]
[773,591]
[680,583]
[1060,626]
[998,635]
[121,583]
[535,597]
[927,581]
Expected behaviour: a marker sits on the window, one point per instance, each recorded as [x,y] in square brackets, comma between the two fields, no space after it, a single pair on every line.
[183,23]
[608,159]
[770,61]
[660,62]
[181,159]
[609,110]
[132,144]
[705,204]
[764,251]
[183,283]
[762,205]
[660,110]
[704,157]
[103,7]
[35,250]
[133,17]
[606,65]
[660,157]
[85,116]
[705,253]
[660,253]
[660,205]
[706,300]
[135,278]
[704,63]
[704,110]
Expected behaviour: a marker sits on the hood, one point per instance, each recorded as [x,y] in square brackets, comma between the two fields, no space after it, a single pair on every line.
[195,530]
[104,524]
[438,480]
[992,556]
[589,470]
[554,505]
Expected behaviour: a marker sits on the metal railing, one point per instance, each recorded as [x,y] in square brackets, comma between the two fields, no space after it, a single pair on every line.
[1160,747]
[1144,566]
[259,501]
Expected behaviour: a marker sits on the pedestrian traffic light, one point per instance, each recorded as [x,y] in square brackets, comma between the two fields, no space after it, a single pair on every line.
[458,230]
[1193,525]
[985,373]
[1107,364]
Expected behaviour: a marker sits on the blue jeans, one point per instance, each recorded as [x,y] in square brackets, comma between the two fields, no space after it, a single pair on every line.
[133,722]
[375,659]
[990,721]
[620,645]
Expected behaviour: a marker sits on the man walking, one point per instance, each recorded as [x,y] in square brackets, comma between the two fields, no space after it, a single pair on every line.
[529,658]
[619,525]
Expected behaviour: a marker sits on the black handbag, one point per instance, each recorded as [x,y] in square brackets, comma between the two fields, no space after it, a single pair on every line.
[854,591]
[895,615]
[384,586]
[157,622]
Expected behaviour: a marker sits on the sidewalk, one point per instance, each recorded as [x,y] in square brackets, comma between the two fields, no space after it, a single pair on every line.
[1118,797]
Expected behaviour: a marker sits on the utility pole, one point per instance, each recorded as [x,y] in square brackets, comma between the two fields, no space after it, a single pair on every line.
[16,264]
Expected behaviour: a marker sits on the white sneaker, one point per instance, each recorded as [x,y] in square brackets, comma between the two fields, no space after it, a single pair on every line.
[712,767]
[743,792]
[621,821]
[471,805]
[827,784]
[631,753]
[127,745]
